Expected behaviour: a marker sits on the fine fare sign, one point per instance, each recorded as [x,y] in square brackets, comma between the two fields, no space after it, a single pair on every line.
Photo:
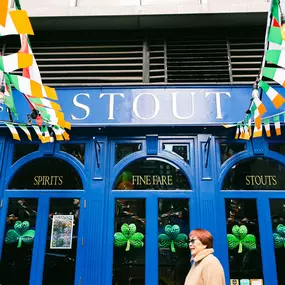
[150,106]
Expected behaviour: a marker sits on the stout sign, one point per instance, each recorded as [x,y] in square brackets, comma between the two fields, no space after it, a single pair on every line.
[269,180]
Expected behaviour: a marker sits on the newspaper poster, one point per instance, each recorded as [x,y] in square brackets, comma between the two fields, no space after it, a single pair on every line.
[61,232]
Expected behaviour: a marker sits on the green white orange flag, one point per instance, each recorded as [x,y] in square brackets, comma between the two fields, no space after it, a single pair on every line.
[8,98]
[38,132]
[3,11]
[58,133]
[276,120]
[257,132]
[31,87]
[241,132]
[27,132]
[45,134]
[9,63]
[237,132]
[277,74]
[52,116]
[46,103]
[273,95]
[17,23]
[266,123]
[65,134]
[13,131]
[276,57]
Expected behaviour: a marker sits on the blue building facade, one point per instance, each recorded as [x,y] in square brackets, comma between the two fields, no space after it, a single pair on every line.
[152,157]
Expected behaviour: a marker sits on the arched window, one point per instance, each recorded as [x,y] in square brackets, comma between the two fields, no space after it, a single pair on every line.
[255,174]
[151,173]
[46,173]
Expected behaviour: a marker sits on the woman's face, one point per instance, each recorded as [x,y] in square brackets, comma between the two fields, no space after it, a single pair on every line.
[195,245]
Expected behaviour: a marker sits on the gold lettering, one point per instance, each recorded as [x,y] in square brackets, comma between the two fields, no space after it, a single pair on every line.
[48,180]
[152,180]
[147,179]
[36,180]
[274,180]
[261,180]
[163,179]
[169,180]
[247,180]
[60,178]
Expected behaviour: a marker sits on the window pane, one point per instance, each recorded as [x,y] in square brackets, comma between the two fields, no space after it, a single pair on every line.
[152,173]
[243,239]
[18,245]
[61,242]
[255,174]
[124,149]
[181,150]
[129,242]
[278,147]
[77,150]
[20,150]
[46,173]
[174,261]
[228,150]
[278,227]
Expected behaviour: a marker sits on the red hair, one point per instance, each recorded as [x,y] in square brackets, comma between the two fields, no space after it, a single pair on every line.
[204,236]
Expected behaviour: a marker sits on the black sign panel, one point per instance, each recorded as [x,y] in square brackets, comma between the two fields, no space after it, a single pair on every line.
[46,173]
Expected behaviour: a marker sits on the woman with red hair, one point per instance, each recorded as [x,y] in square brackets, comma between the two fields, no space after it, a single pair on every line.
[206,268]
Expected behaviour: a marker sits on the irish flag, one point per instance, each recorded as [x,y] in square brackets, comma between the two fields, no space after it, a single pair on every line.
[276,74]
[273,95]
[266,123]
[276,57]
[257,132]
[13,131]
[9,63]
[276,120]
[25,129]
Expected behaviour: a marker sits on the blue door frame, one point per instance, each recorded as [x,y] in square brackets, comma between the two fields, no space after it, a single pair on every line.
[96,229]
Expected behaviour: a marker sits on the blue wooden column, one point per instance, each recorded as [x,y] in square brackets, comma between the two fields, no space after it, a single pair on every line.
[207,194]
[95,216]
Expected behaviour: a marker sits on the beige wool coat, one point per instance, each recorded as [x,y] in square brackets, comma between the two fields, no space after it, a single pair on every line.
[206,270]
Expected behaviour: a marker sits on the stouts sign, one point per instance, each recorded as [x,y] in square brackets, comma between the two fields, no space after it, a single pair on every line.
[156,106]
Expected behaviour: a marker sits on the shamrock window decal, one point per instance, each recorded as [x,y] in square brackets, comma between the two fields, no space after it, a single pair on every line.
[172,238]
[128,236]
[21,233]
[279,236]
[240,238]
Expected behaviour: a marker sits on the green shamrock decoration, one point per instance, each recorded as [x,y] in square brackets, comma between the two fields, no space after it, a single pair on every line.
[20,233]
[129,237]
[279,236]
[172,238]
[241,238]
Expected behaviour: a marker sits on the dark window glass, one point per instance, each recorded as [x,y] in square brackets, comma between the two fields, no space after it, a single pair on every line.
[174,261]
[46,173]
[129,242]
[77,150]
[18,244]
[181,150]
[255,174]
[151,173]
[278,147]
[278,225]
[124,149]
[243,239]
[228,150]
[61,242]
[21,150]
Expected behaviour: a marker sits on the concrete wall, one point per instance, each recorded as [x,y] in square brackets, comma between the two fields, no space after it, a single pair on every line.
[43,8]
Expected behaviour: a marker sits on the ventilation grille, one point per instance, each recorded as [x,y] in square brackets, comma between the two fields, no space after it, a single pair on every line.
[140,59]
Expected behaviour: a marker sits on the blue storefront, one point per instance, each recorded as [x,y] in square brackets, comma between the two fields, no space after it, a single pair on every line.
[152,157]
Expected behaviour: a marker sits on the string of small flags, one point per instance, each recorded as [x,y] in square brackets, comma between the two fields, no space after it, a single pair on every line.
[274,54]
[46,116]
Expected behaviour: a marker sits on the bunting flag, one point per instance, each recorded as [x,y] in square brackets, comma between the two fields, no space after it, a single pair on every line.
[38,132]
[273,95]
[13,131]
[276,120]
[237,132]
[46,103]
[276,74]
[58,133]
[257,132]
[3,12]
[241,132]
[17,23]
[25,129]
[31,87]
[249,128]
[43,109]
[45,135]
[15,61]
[246,133]
[266,123]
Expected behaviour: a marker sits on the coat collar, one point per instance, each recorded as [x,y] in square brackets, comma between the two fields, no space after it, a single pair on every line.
[202,254]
